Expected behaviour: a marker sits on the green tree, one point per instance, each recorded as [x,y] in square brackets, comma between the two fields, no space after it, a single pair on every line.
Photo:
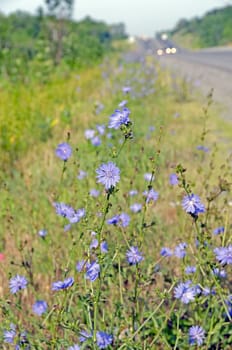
[60,8]
[59,11]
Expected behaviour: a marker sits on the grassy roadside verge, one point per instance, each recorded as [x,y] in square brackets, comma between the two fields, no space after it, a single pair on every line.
[166,132]
[72,106]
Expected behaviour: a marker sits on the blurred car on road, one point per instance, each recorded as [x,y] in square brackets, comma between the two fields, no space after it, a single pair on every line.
[166,51]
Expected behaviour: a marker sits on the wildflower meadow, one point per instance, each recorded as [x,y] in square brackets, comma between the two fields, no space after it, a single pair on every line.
[115,212]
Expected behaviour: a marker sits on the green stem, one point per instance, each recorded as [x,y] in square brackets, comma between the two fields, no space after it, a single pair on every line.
[151,315]
[61,179]
[164,323]
[121,148]
[145,208]
[222,298]
[106,209]
[178,336]
[98,292]
[120,281]
[135,311]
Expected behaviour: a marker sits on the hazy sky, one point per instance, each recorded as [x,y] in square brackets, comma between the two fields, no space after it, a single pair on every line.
[140,16]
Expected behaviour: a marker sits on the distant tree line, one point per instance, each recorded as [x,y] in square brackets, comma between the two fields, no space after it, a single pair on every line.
[213,29]
[51,38]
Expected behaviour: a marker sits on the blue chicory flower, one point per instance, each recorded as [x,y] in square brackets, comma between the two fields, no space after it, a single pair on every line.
[196,335]
[80,265]
[122,219]
[136,207]
[103,339]
[186,292]
[9,335]
[94,193]
[64,151]
[119,118]
[114,220]
[202,148]
[228,302]
[92,271]
[94,244]
[96,141]
[218,230]
[126,89]
[81,175]
[149,177]
[192,205]
[40,307]
[17,283]
[219,273]
[64,210]
[166,252]
[173,179]
[122,103]
[60,285]
[190,269]
[133,193]
[224,255]
[42,233]
[180,251]
[151,195]
[108,174]
[134,256]
[84,335]
[207,291]
[104,247]
[101,129]
[89,134]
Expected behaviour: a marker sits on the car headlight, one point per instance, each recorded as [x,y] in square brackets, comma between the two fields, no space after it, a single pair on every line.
[160,52]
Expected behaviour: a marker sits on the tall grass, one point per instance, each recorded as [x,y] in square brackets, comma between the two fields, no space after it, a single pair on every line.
[132,291]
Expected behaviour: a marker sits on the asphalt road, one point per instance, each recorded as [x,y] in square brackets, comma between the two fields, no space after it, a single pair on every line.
[218,59]
[207,69]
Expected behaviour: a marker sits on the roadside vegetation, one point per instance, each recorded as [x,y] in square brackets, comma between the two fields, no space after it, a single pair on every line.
[115,210]
[212,29]
[32,45]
